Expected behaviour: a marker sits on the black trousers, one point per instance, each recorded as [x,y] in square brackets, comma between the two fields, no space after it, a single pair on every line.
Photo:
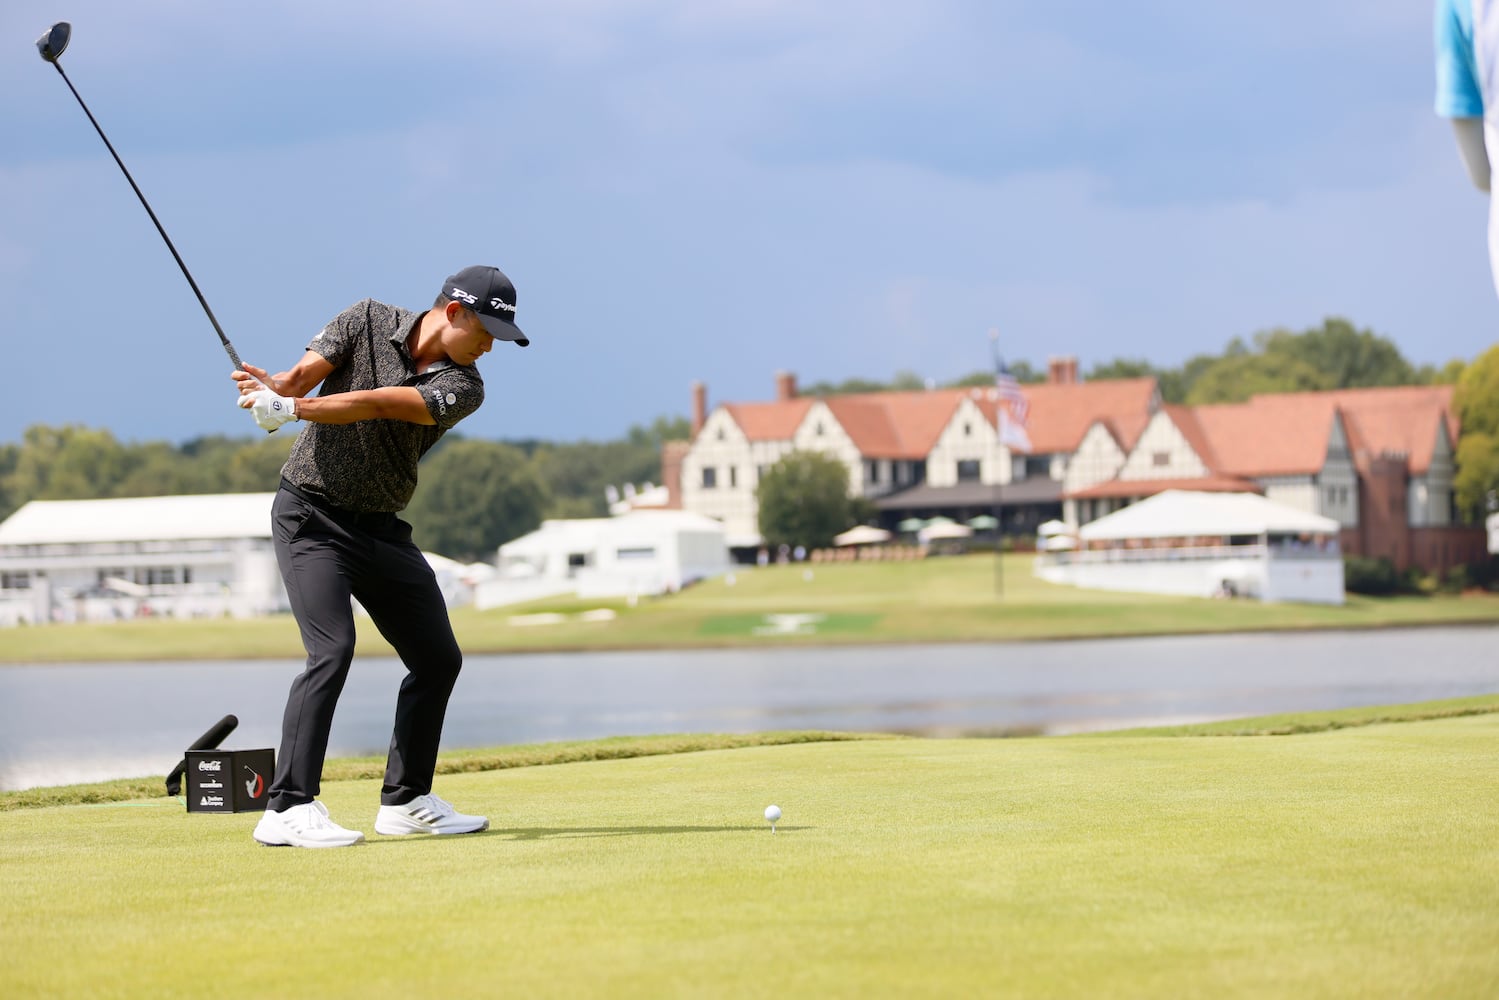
[326,557]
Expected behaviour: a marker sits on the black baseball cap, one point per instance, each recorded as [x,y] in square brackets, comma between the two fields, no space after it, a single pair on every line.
[490,294]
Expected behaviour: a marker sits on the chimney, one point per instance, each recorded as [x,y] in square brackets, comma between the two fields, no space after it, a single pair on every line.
[785,387]
[672,453]
[699,406]
[1061,370]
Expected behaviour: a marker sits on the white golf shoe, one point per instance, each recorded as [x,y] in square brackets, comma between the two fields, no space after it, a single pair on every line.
[306,825]
[426,814]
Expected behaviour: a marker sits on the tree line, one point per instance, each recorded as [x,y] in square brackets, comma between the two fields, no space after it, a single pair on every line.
[476,494]
[1335,355]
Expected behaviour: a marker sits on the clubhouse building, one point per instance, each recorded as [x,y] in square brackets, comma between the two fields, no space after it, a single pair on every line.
[1378,461]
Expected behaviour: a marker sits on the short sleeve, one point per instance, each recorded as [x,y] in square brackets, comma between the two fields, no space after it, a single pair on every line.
[335,340]
[452,394]
[1458,95]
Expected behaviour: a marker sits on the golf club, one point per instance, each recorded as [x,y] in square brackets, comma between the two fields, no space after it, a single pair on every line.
[51,46]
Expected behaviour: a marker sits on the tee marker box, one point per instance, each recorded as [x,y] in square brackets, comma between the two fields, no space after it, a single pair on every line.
[229,781]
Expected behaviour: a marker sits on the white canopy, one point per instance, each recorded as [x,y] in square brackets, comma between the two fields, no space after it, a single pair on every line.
[1049,528]
[862,534]
[1493,523]
[1186,513]
[140,519]
[951,529]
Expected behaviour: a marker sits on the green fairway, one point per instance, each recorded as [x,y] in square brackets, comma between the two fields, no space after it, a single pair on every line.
[1349,862]
[948,599]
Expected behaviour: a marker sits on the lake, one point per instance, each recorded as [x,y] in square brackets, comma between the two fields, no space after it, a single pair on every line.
[66,723]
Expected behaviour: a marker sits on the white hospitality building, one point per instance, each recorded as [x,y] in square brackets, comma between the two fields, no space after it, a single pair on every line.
[638,554]
[1204,545]
[106,560]
[202,556]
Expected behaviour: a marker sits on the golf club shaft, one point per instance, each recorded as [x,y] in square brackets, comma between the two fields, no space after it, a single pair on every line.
[228,347]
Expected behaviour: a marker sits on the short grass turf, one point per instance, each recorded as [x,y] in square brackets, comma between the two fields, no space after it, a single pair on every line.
[1351,862]
[949,599]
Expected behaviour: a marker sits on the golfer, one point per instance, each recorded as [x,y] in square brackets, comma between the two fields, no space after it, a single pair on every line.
[1467,61]
[393,382]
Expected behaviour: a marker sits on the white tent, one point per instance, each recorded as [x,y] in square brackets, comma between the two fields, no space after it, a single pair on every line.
[1493,524]
[1189,514]
[1056,536]
[639,553]
[862,534]
[101,560]
[140,519]
[939,531]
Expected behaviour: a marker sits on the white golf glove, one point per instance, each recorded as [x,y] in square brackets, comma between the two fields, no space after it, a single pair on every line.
[270,409]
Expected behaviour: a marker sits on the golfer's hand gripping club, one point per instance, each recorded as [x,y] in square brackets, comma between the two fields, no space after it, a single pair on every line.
[259,395]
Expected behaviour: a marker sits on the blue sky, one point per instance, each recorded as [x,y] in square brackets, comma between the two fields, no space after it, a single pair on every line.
[716,191]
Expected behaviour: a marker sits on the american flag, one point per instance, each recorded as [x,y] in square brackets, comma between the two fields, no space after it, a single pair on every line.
[1013,410]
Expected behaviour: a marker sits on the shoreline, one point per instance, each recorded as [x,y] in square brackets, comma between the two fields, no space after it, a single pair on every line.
[772,643]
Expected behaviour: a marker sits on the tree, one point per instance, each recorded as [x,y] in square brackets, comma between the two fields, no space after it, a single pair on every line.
[1448,374]
[9,455]
[256,465]
[581,471]
[1233,378]
[1022,370]
[1476,400]
[661,430]
[67,463]
[473,497]
[803,500]
[1476,484]
[1121,368]
[156,469]
[1350,358]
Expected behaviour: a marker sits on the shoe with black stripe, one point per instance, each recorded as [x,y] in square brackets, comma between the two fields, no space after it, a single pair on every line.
[426,814]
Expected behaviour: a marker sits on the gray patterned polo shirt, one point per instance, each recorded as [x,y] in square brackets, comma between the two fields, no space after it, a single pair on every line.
[370,466]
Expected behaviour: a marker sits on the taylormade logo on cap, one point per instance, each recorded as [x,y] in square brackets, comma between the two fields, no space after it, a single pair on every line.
[491,296]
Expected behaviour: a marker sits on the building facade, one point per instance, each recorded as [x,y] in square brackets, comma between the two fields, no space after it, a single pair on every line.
[107,560]
[1378,461]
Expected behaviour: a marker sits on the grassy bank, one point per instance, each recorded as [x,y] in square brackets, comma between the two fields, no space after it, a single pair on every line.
[1357,860]
[953,599]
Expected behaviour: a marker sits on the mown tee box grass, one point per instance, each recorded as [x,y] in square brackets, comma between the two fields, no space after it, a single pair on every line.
[1351,862]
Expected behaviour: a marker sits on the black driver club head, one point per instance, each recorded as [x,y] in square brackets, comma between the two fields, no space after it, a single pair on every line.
[52,44]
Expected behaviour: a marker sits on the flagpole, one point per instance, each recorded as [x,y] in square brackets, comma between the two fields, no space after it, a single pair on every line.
[999,520]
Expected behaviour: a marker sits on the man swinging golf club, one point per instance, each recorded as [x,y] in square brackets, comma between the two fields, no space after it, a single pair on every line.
[392,383]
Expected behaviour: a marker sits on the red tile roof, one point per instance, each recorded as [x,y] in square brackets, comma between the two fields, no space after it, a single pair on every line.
[1269,435]
[1399,419]
[769,421]
[1061,414]
[908,424]
[902,425]
[1283,434]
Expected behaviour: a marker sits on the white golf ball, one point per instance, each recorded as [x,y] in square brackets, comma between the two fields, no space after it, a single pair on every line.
[772,813]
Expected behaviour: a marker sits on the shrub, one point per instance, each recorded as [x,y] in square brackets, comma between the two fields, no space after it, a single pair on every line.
[1376,577]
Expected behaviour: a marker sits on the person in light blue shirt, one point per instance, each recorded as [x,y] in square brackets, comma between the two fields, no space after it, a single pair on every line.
[1467,58]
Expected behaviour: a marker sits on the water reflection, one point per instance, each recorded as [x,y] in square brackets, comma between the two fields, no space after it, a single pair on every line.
[68,723]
